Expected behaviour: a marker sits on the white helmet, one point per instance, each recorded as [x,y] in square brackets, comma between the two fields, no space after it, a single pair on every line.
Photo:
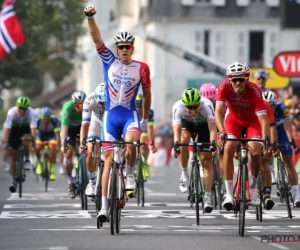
[124,37]
[269,96]
[237,69]
[78,97]
[100,94]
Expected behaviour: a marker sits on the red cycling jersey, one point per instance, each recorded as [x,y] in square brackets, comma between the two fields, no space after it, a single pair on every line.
[242,111]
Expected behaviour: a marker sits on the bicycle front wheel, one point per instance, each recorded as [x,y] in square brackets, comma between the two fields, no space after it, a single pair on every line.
[20,173]
[196,177]
[84,201]
[140,193]
[113,199]
[46,173]
[242,202]
[284,186]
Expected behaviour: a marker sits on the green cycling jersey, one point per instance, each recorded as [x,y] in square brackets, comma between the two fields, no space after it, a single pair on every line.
[70,117]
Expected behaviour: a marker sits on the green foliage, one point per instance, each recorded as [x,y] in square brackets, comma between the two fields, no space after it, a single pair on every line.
[52,28]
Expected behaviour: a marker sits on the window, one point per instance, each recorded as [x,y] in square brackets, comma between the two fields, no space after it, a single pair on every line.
[256,48]
[206,42]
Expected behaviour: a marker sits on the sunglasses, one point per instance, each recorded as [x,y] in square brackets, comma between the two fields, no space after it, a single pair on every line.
[192,107]
[127,46]
[22,108]
[235,80]
[79,105]
[261,78]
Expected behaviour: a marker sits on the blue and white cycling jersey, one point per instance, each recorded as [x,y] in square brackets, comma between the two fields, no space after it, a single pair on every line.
[122,82]
[281,116]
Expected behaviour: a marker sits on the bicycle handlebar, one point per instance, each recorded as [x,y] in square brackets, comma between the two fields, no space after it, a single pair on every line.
[195,144]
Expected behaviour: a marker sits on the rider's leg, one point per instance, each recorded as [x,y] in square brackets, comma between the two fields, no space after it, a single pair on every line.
[27,143]
[255,153]
[52,161]
[39,168]
[130,158]
[206,159]
[68,166]
[145,153]
[183,161]
[91,164]
[267,179]
[13,158]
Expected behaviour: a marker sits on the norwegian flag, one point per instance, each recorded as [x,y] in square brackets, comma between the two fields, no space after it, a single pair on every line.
[11,34]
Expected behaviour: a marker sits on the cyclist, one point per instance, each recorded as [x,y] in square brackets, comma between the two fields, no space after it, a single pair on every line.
[267,160]
[93,110]
[123,77]
[285,135]
[194,114]
[245,109]
[48,128]
[145,136]
[209,91]
[261,78]
[20,123]
[70,129]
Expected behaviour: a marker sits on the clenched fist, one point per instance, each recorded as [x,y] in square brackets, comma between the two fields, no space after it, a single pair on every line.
[90,11]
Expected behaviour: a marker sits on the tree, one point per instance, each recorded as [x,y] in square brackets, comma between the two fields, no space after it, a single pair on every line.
[52,28]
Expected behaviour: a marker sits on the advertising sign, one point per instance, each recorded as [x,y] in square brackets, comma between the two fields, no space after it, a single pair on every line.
[275,81]
[287,63]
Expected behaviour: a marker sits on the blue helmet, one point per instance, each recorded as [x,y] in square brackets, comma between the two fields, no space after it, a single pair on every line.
[261,73]
[45,112]
[100,94]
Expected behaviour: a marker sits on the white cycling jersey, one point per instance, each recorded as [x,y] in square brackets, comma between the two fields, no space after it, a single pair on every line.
[205,114]
[14,120]
[93,113]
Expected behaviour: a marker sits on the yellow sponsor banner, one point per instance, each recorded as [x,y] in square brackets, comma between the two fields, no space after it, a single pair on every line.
[275,81]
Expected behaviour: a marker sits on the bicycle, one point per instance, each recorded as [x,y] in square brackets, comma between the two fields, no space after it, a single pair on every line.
[196,189]
[116,193]
[261,191]
[284,184]
[217,185]
[45,156]
[98,187]
[241,191]
[20,171]
[81,179]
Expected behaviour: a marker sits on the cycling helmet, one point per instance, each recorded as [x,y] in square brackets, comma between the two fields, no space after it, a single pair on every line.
[238,69]
[208,90]
[45,112]
[100,94]
[139,100]
[124,37]
[190,97]
[270,97]
[78,97]
[262,74]
[23,102]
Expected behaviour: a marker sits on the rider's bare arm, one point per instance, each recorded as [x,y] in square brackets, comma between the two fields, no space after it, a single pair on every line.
[288,129]
[146,102]
[63,133]
[265,125]
[212,131]
[6,135]
[177,132]
[95,33]
[219,116]
[84,130]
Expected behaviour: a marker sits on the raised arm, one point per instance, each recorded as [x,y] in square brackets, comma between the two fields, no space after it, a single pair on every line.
[94,31]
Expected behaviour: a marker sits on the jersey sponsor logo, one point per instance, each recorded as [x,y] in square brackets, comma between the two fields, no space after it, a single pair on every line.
[174,115]
[122,78]
[261,112]
[240,104]
[223,85]
[256,90]
[211,109]
[126,83]
[85,110]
